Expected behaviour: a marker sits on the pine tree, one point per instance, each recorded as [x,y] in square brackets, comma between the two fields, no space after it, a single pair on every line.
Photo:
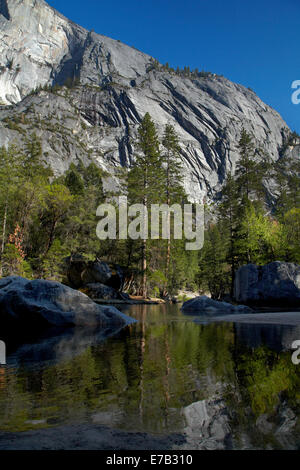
[34,166]
[74,181]
[248,171]
[173,181]
[214,274]
[228,216]
[57,201]
[286,173]
[11,177]
[145,178]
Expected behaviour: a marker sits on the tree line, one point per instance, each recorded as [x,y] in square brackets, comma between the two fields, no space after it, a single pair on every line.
[45,218]
[250,225]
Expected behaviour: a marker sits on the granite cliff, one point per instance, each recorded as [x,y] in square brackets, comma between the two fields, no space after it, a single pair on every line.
[113,86]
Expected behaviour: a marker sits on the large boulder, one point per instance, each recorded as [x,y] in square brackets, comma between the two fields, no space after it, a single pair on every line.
[276,284]
[205,305]
[100,291]
[96,271]
[81,273]
[75,265]
[40,303]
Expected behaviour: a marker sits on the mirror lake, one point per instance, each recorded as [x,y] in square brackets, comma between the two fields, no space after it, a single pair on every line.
[168,381]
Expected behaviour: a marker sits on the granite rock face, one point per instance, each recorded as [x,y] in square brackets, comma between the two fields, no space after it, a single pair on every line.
[38,303]
[118,85]
[275,284]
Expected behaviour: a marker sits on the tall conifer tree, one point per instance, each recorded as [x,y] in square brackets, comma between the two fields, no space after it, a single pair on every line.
[145,181]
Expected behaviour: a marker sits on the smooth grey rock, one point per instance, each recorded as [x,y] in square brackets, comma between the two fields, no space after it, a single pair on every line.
[119,84]
[39,303]
[203,305]
[275,284]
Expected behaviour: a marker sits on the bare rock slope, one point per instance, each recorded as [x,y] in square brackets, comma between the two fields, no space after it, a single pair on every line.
[97,120]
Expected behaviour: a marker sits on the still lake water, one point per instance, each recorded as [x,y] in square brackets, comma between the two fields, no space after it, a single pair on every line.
[220,385]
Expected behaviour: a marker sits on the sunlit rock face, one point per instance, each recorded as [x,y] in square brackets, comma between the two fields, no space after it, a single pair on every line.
[119,84]
[33,41]
[40,46]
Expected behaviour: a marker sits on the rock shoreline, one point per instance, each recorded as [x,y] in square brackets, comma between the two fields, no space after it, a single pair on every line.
[274,284]
[39,303]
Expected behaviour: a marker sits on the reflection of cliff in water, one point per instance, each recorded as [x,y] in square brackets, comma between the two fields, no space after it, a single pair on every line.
[56,345]
[218,385]
[276,337]
[210,425]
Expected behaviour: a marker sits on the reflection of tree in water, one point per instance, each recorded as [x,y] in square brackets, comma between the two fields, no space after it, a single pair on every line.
[167,373]
[145,376]
[268,378]
[142,354]
[2,378]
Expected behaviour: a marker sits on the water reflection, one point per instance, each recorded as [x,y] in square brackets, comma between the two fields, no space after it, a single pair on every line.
[276,337]
[221,385]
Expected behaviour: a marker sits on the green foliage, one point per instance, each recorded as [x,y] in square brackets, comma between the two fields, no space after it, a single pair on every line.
[214,272]
[52,263]
[266,378]
[57,216]
[248,170]
[157,280]
[173,177]
[245,231]
[156,178]
[184,72]
[145,178]
[74,181]
[12,263]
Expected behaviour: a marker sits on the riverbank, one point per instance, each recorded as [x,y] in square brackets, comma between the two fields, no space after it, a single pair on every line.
[129,302]
[267,318]
[78,390]
[88,437]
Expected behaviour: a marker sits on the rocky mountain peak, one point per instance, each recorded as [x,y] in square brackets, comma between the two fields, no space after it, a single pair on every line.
[115,86]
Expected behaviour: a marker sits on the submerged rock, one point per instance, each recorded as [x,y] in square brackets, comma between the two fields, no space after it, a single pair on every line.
[204,304]
[40,303]
[275,284]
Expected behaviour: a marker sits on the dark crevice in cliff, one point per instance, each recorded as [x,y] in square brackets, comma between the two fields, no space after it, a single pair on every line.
[4,9]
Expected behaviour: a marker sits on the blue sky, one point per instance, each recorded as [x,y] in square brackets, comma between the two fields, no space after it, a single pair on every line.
[255,43]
